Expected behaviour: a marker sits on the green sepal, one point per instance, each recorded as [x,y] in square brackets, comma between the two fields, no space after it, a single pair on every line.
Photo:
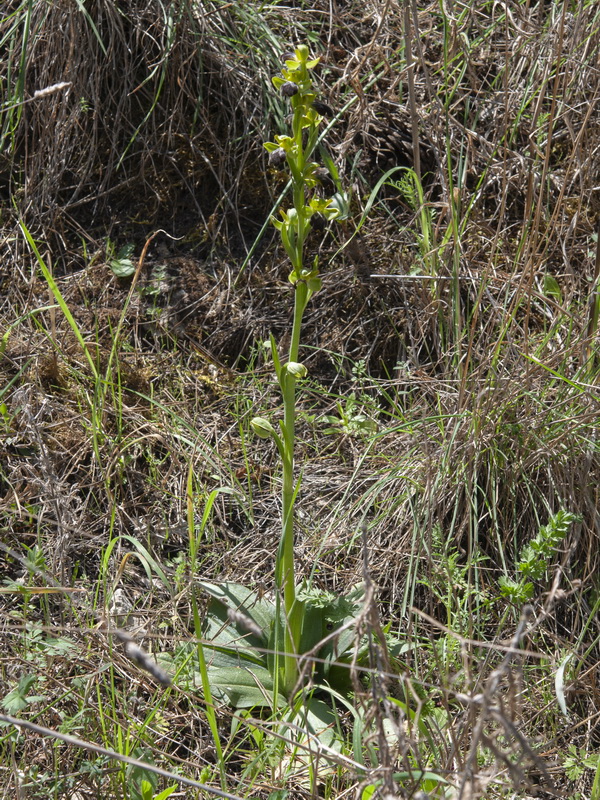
[286,143]
[323,206]
[314,285]
[290,246]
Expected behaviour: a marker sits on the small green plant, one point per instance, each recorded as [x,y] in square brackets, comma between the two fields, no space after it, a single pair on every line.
[265,649]
[142,783]
[120,260]
[410,187]
[535,557]
[20,697]
[578,760]
[350,419]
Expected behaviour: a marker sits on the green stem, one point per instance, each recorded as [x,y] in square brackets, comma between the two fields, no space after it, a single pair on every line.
[300,301]
[293,610]
[287,556]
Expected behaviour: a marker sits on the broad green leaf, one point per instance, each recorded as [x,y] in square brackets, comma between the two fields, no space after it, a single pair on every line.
[245,602]
[313,628]
[122,265]
[316,718]
[244,687]
[551,287]
[166,793]
[146,790]
[357,740]
[142,781]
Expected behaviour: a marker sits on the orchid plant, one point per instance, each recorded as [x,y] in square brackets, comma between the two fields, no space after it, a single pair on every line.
[274,640]
[295,83]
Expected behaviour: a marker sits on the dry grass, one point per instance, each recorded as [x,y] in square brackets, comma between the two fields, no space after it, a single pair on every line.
[483,379]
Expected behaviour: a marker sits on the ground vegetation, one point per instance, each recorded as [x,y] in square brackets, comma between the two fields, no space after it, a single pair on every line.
[447,426]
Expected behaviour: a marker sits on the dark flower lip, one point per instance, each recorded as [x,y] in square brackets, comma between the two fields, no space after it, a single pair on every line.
[289,89]
[324,178]
[318,222]
[322,108]
[277,158]
[288,56]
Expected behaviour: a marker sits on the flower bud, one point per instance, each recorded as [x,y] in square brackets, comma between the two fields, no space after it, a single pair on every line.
[262,427]
[289,89]
[296,370]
